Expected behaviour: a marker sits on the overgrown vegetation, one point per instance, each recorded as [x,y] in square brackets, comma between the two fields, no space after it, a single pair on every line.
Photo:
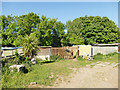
[101,57]
[107,57]
[55,58]
[30,45]
[98,56]
[41,71]
[80,58]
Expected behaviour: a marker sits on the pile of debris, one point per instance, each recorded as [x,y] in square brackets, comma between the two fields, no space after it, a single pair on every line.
[87,57]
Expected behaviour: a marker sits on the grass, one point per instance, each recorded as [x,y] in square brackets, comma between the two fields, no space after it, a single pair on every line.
[40,72]
[112,57]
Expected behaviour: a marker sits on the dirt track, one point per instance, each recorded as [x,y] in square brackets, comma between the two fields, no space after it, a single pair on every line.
[101,75]
[96,75]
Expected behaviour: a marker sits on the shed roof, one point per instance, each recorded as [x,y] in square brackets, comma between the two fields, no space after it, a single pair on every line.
[9,48]
[115,44]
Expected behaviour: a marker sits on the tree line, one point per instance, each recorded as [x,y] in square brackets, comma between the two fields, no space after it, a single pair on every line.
[50,32]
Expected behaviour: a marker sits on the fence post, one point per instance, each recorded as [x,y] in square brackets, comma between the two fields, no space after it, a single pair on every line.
[78,50]
[62,52]
[51,51]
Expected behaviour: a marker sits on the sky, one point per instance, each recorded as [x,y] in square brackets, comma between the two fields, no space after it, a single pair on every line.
[64,11]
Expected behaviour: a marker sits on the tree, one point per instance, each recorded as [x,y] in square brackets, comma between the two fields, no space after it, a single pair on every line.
[8,30]
[27,23]
[92,30]
[49,32]
[119,35]
[30,45]
[18,41]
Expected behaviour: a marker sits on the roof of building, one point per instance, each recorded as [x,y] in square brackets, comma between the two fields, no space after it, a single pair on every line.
[115,44]
[9,48]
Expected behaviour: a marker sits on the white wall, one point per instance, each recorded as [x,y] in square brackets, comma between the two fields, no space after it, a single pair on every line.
[104,49]
[43,57]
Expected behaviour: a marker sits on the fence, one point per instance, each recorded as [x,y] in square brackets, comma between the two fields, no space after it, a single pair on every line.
[44,53]
[10,56]
[11,52]
[57,51]
[69,52]
[64,52]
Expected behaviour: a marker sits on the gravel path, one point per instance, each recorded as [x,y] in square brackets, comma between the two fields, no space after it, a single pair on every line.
[95,75]
[100,75]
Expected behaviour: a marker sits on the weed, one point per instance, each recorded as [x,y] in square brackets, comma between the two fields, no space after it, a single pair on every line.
[80,58]
[38,61]
[55,58]
[99,56]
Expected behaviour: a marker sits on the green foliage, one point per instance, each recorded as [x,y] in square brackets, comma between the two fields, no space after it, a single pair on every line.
[119,35]
[112,54]
[8,30]
[38,60]
[80,58]
[46,58]
[55,58]
[27,23]
[92,30]
[18,60]
[28,65]
[98,56]
[49,32]
[18,40]
[5,68]
[30,45]
[16,53]
[41,73]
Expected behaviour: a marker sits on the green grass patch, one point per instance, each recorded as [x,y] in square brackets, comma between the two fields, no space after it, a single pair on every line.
[112,57]
[80,58]
[40,72]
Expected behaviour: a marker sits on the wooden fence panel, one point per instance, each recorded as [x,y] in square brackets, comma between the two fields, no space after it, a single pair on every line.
[63,52]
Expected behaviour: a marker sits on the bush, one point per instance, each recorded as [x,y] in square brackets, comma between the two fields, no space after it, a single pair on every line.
[111,54]
[16,53]
[55,58]
[18,59]
[80,58]
[5,68]
[28,65]
[98,56]
[3,62]
[29,45]
[38,60]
